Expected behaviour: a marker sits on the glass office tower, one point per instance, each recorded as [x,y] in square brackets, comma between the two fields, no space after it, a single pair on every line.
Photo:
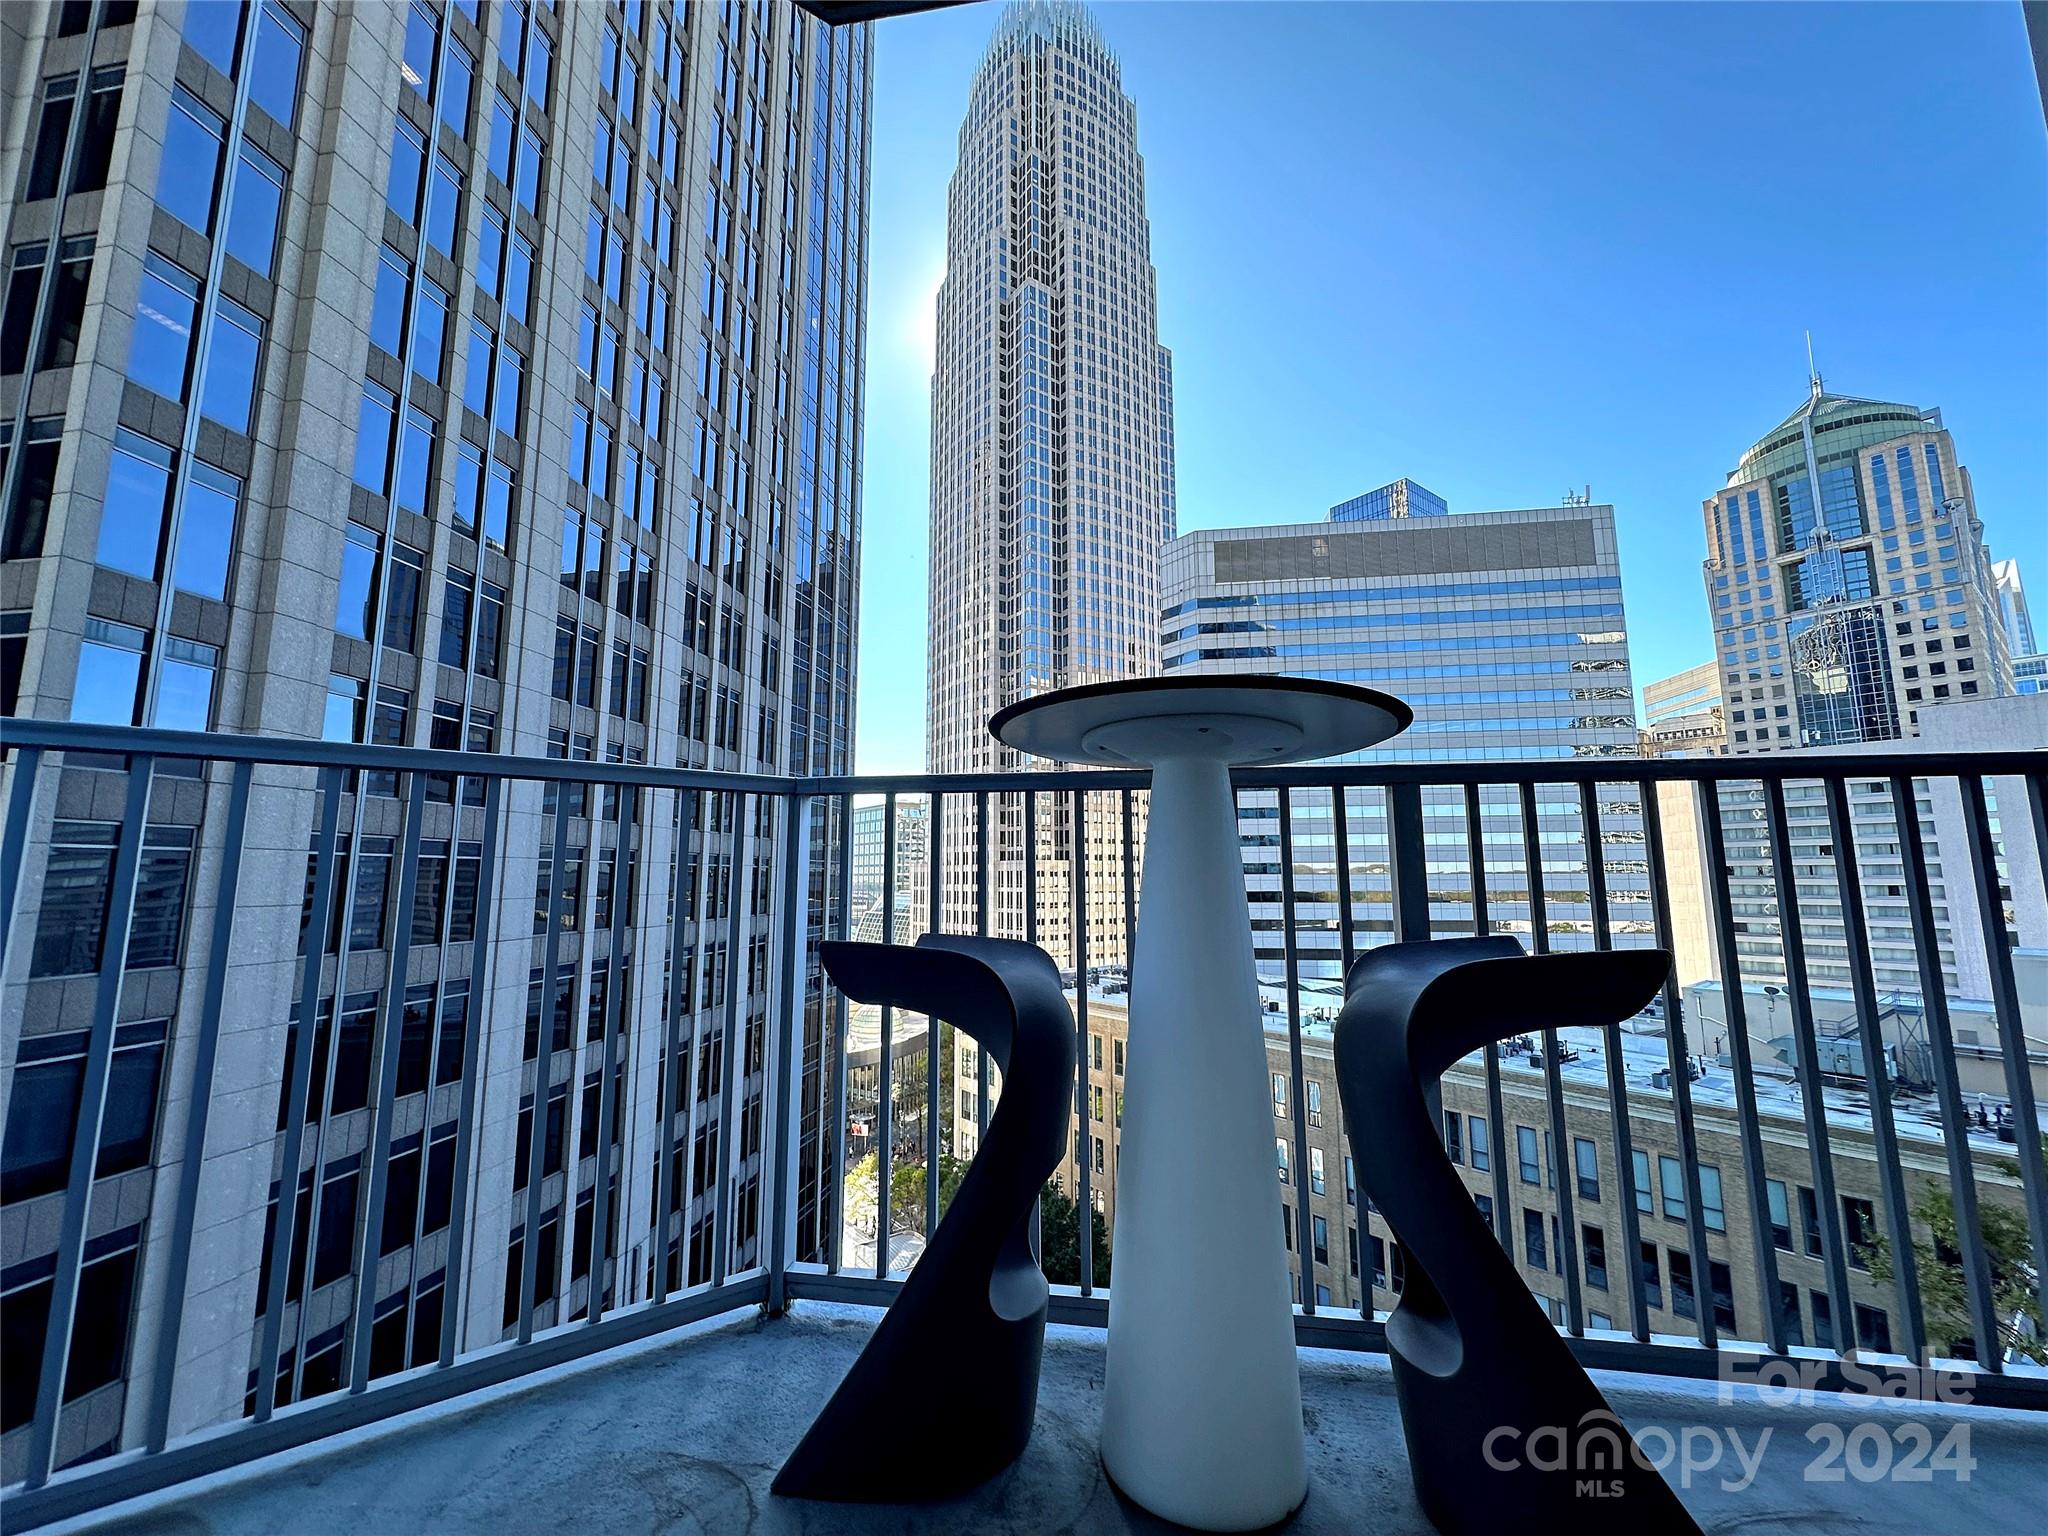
[1052,446]
[444,374]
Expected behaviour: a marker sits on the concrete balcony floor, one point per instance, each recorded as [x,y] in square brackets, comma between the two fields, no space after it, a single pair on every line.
[683,1433]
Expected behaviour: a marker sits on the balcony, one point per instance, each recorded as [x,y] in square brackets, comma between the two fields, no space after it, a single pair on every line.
[1814,1159]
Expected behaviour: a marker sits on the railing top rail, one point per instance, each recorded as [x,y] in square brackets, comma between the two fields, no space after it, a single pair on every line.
[285,751]
[297,752]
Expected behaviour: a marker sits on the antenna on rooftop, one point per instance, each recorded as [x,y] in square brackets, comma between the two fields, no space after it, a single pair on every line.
[1812,373]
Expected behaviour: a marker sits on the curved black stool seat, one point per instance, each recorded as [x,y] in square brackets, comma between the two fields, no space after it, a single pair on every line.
[1478,1368]
[945,1392]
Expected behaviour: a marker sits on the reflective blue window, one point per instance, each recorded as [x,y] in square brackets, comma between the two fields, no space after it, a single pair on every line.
[1881,488]
[206,532]
[519,279]
[490,252]
[430,332]
[355,602]
[498,506]
[188,177]
[504,119]
[373,437]
[469,484]
[457,73]
[213,27]
[506,393]
[476,379]
[109,679]
[160,347]
[233,346]
[387,310]
[184,685]
[444,202]
[274,73]
[252,217]
[408,172]
[528,188]
[1909,485]
[422,34]
[415,461]
[132,514]
[1934,485]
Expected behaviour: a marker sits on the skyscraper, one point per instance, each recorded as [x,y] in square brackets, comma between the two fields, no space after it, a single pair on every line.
[1840,614]
[1052,447]
[436,374]
[1847,578]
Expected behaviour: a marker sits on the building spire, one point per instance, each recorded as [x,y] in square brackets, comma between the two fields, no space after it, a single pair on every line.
[1812,373]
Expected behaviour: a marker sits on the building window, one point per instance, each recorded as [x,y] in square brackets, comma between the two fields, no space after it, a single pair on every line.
[1320,1231]
[253,210]
[1671,1179]
[355,603]
[1594,1241]
[109,683]
[71,924]
[1525,1145]
[1653,1287]
[188,178]
[1586,1159]
[1859,1222]
[132,512]
[1453,1136]
[274,72]
[160,345]
[1280,1095]
[1873,1328]
[1280,1152]
[1315,1170]
[374,422]
[1711,1211]
[1809,1218]
[1535,1241]
[43,1113]
[1477,1137]
[1682,1300]
[99,1354]
[233,345]
[206,532]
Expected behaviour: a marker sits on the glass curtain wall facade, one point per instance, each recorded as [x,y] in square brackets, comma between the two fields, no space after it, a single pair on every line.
[530,424]
[1504,631]
[1052,441]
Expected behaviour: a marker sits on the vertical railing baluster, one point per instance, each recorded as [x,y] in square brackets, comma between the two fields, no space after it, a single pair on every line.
[1407,862]
[614,1024]
[1617,1076]
[1806,1054]
[1736,1023]
[1678,1060]
[454,1286]
[885,1101]
[708,804]
[1955,1125]
[665,1057]
[544,1071]
[1877,1080]
[1340,820]
[398,951]
[1031,937]
[1496,1110]
[21,802]
[831,1198]
[92,1109]
[785,1069]
[199,1104]
[738,907]
[1291,958]
[983,856]
[1084,1223]
[308,1033]
[1558,1166]
[2012,1039]
[934,1031]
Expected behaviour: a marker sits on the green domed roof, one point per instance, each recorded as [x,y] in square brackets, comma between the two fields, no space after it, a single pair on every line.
[1841,424]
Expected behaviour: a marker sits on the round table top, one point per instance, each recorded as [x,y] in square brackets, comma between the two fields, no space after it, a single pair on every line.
[1241,719]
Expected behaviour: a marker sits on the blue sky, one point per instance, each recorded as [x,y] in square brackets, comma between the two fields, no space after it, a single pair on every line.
[1507,250]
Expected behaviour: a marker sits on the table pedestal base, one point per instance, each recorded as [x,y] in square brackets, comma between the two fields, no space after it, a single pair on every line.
[1201,1418]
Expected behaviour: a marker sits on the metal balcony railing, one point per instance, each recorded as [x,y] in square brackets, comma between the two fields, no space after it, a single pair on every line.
[267,1179]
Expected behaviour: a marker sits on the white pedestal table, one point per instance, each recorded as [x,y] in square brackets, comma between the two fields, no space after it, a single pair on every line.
[1201,1415]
